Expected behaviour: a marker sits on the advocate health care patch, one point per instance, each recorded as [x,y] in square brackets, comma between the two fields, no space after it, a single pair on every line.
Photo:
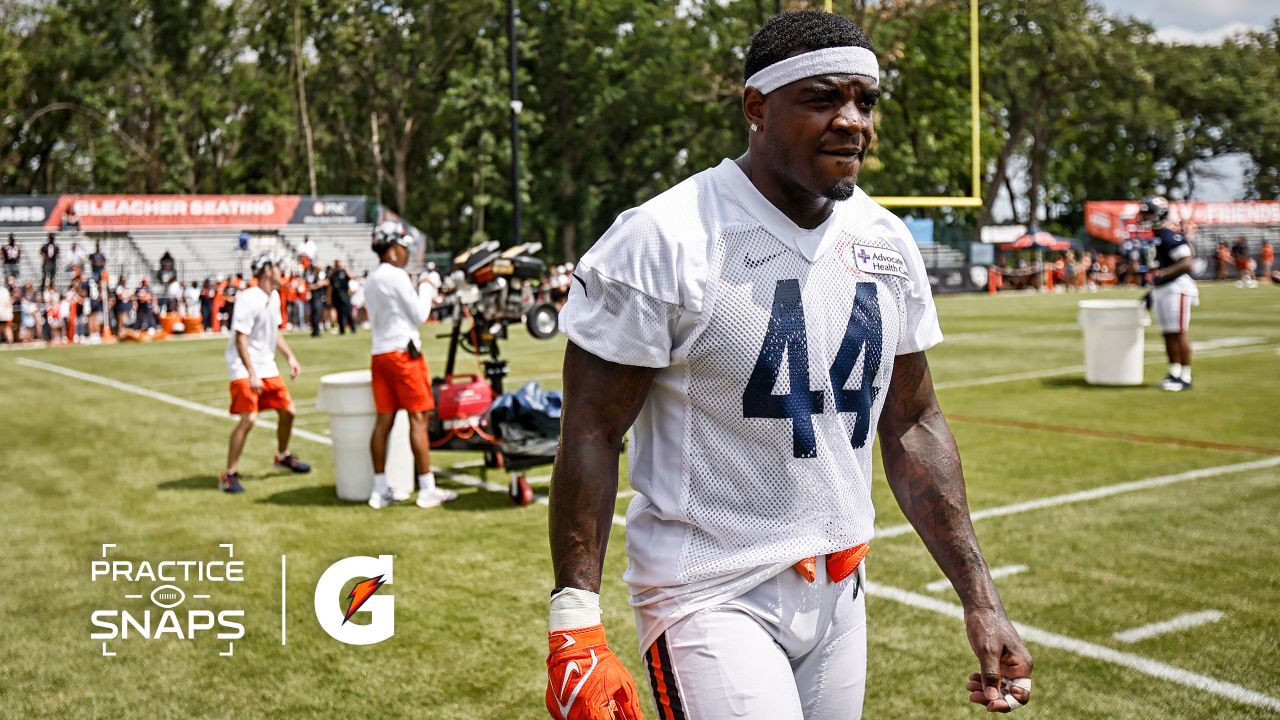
[879,260]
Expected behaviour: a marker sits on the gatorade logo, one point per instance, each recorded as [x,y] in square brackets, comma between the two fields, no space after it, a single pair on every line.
[334,610]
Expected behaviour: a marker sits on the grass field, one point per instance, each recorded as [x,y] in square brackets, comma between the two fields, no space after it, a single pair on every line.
[86,463]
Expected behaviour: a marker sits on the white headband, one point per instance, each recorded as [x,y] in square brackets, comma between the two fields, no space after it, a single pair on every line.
[829,61]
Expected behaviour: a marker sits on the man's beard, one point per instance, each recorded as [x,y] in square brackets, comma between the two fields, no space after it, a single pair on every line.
[842,190]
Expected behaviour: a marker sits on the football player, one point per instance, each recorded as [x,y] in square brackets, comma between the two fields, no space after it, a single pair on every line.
[1174,293]
[755,325]
[400,379]
[255,380]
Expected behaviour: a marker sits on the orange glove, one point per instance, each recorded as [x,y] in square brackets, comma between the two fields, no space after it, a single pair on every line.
[586,681]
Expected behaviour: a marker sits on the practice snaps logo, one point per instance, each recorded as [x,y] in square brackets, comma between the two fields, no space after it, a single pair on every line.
[335,610]
[160,614]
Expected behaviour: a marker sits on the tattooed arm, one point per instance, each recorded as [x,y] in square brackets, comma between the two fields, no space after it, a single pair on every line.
[922,464]
[601,400]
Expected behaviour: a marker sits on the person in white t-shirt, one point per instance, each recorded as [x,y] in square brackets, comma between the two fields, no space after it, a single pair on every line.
[755,326]
[255,380]
[399,371]
[431,276]
[308,249]
[191,300]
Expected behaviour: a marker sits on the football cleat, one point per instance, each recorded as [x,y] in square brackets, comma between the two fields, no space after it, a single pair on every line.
[378,500]
[230,482]
[1173,384]
[289,461]
[436,497]
[586,681]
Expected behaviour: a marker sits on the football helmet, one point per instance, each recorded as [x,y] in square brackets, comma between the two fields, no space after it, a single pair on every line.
[1154,209]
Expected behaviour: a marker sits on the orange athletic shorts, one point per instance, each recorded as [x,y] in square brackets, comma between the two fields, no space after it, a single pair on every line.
[274,396]
[400,383]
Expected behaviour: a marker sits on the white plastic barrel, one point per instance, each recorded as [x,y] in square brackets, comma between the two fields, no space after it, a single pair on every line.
[1113,341]
[348,398]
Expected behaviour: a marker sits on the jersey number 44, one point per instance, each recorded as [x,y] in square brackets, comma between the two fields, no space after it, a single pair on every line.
[786,337]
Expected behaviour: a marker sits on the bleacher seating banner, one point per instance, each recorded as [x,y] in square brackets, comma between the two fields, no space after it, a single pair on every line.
[1107,219]
[122,212]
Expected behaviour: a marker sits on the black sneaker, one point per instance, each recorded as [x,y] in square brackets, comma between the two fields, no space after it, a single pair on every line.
[230,482]
[289,461]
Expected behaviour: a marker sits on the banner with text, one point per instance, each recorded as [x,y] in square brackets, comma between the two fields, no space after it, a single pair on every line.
[1108,219]
[122,212]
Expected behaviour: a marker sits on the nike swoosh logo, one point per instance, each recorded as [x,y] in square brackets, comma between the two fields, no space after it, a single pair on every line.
[573,697]
[753,264]
[584,284]
[573,668]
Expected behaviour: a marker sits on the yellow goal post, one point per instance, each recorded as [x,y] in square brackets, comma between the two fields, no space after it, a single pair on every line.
[974,200]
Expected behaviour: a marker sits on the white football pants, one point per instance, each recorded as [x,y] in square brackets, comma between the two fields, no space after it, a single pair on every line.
[786,650]
[1172,309]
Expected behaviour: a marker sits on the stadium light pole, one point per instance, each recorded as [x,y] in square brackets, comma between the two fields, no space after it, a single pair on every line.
[516,107]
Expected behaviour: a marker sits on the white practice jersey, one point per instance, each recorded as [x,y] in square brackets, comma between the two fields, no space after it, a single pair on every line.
[395,309]
[775,346]
[258,316]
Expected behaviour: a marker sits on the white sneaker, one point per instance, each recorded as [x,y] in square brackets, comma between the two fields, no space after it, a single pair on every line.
[378,500]
[432,498]
[1173,384]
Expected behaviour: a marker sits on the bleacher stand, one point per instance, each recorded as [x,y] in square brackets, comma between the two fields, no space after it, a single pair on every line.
[198,252]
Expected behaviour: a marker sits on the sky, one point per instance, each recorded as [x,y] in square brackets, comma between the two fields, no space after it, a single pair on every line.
[1198,21]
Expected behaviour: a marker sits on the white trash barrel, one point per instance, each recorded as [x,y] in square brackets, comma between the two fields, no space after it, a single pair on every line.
[1113,341]
[348,398]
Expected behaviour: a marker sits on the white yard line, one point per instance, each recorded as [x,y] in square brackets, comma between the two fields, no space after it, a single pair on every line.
[1011,377]
[222,376]
[469,464]
[996,574]
[1182,622]
[156,395]
[1083,648]
[1099,492]
[461,479]
[1225,352]
[1221,343]
[1033,329]
[892,531]
[1078,369]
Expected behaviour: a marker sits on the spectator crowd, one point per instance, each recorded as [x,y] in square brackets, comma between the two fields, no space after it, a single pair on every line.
[87,305]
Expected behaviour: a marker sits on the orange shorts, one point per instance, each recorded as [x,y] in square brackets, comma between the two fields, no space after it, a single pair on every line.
[400,383]
[274,396]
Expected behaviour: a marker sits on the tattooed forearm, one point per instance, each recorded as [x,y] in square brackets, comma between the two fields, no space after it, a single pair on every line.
[922,464]
[601,400]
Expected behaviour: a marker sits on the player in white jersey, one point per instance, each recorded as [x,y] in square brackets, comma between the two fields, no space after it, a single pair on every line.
[754,326]
[400,378]
[255,380]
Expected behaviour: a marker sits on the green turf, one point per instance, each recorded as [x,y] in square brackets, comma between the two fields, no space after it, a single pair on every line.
[85,464]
